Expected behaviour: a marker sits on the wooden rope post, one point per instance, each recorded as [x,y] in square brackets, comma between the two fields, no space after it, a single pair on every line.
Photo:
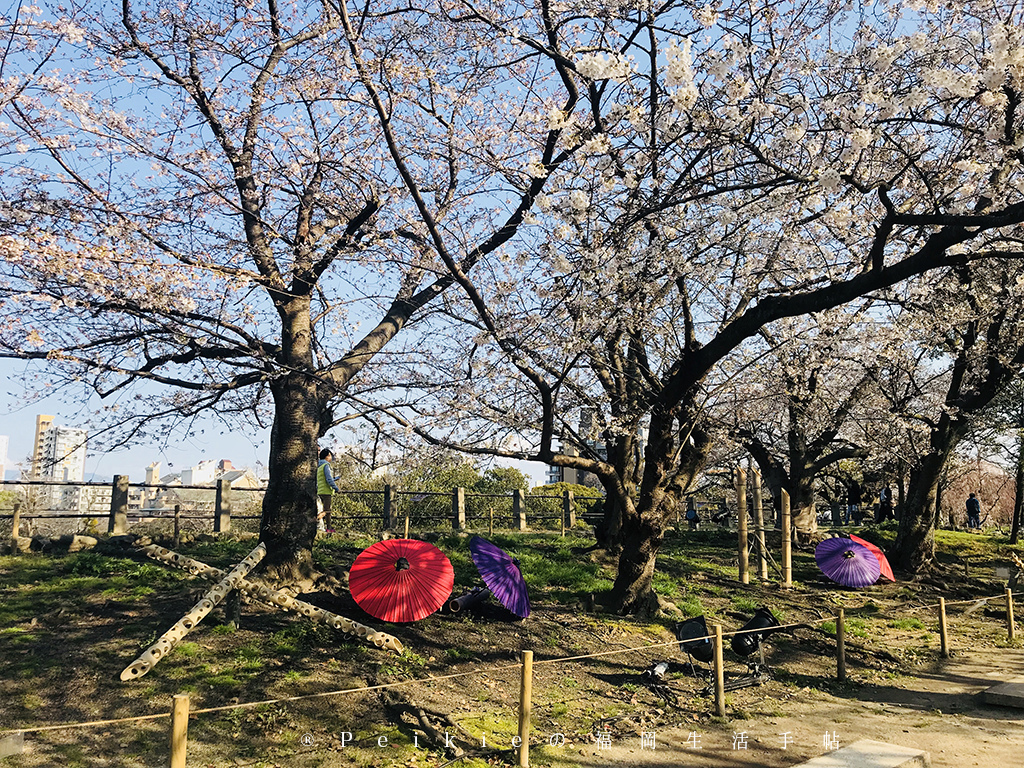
[1011,629]
[177,525]
[490,521]
[179,730]
[719,673]
[117,522]
[525,694]
[841,646]
[519,508]
[406,527]
[762,555]
[459,509]
[222,508]
[741,524]
[787,540]
[16,522]
[943,629]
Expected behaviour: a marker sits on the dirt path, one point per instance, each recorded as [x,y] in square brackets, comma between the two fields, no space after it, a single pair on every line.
[939,709]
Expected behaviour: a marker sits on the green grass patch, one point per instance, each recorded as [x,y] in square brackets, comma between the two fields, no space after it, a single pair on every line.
[906,623]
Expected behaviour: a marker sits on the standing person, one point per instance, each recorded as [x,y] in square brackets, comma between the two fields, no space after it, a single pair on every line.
[852,501]
[973,512]
[325,489]
[885,505]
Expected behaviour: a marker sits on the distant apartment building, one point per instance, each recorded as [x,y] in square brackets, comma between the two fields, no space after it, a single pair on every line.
[59,456]
[188,487]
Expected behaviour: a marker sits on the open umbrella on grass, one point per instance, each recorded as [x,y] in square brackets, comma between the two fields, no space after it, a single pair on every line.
[883,562]
[501,574]
[847,562]
[401,579]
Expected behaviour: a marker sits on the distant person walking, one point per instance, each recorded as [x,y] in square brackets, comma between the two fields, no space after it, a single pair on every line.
[325,489]
[885,505]
[852,501]
[973,512]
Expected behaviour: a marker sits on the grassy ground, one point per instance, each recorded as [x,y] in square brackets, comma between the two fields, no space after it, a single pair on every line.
[69,624]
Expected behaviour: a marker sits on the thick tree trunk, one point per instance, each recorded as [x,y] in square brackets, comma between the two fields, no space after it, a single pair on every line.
[668,470]
[801,500]
[288,524]
[1018,494]
[632,592]
[914,548]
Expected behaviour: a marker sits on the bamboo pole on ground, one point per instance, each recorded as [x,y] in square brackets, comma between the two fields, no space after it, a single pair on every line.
[943,629]
[841,646]
[719,673]
[158,650]
[741,524]
[787,540]
[762,555]
[277,598]
[525,695]
[1011,629]
[179,730]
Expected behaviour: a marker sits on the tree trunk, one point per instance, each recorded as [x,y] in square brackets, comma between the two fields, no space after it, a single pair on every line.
[288,524]
[914,547]
[801,500]
[632,592]
[668,469]
[1018,494]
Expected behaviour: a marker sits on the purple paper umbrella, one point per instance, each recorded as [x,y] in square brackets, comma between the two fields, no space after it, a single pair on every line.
[847,562]
[501,574]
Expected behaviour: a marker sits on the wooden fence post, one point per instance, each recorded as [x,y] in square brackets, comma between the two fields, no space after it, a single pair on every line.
[179,730]
[222,508]
[719,673]
[1011,629]
[741,524]
[177,525]
[386,514]
[458,509]
[118,522]
[525,695]
[519,508]
[762,555]
[943,629]
[568,510]
[841,646]
[16,522]
[787,540]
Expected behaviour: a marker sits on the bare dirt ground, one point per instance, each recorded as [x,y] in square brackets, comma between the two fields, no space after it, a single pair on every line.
[71,624]
[938,710]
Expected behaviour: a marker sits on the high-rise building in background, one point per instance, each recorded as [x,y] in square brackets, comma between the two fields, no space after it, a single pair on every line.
[59,456]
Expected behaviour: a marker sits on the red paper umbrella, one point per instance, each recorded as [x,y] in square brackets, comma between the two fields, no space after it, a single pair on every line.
[401,579]
[883,562]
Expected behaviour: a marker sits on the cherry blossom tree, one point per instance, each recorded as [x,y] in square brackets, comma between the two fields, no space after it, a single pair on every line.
[797,400]
[241,203]
[751,163]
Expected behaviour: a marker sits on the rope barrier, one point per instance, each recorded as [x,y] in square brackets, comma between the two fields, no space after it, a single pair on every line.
[383,686]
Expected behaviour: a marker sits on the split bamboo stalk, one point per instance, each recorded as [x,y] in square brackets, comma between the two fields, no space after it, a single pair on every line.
[1011,629]
[525,705]
[741,524]
[719,673]
[762,555]
[943,629]
[152,655]
[179,730]
[787,540]
[280,599]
